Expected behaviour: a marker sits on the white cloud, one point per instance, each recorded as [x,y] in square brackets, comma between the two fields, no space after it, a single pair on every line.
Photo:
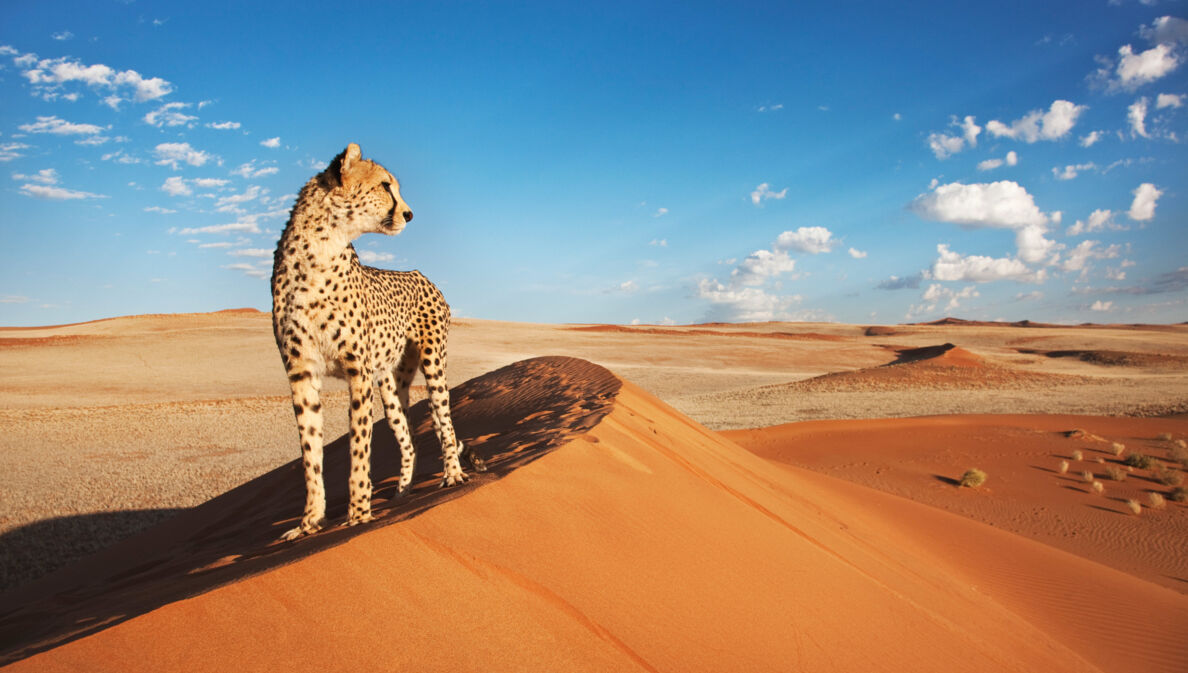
[746,304]
[1079,256]
[10,151]
[659,242]
[260,252]
[1166,100]
[761,265]
[1136,115]
[952,266]
[249,170]
[628,287]
[176,186]
[660,212]
[1100,305]
[219,244]
[271,142]
[1143,206]
[172,154]
[1031,244]
[231,202]
[857,254]
[46,176]
[1003,204]
[92,140]
[1037,125]
[1166,29]
[1071,171]
[223,126]
[207,183]
[770,108]
[813,240]
[1091,139]
[169,115]
[246,225]
[57,193]
[49,75]
[250,270]
[937,293]
[159,210]
[763,191]
[1097,221]
[1134,70]
[1011,159]
[372,257]
[59,127]
[63,36]
[944,146]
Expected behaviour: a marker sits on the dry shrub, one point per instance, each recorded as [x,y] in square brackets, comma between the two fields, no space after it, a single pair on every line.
[1087,477]
[1116,473]
[1118,448]
[1140,461]
[1164,437]
[1098,487]
[1063,467]
[1155,500]
[1178,494]
[973,478]
[1167,477]
[1134,506]
[1076,455]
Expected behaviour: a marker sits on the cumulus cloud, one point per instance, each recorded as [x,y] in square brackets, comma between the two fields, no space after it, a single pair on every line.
[173,154]
[1072,171]
[46,176]
[1136,116]
[761,265]
[1037,125]
[60,127]
[937,293]
[1166,30]
[176,186]
[169,115]
[231,202]
[944,145]
[370,256]
[952,266]
[159,210]
[813,240]
[223,126]
[857,254]
[1142,208]
[1077,258]
[1091,139]
[48,76]
[251,170]
[1100,305]
[660,212]
[764,191]
[1097,221]
[747,304]
[271,142]
[10,151]
[1166,100]
[1011,159]
[1003,204]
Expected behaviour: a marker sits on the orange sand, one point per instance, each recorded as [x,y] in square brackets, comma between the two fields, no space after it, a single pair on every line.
[612,533]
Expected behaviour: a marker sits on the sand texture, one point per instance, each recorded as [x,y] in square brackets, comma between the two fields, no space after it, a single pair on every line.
[616,530]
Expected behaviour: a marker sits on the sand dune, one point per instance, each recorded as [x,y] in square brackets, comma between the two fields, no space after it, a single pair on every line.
[611,534]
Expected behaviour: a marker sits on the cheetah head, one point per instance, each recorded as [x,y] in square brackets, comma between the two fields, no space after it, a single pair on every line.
[364,197]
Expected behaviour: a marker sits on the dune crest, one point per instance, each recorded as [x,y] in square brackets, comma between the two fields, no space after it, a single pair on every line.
[612,533]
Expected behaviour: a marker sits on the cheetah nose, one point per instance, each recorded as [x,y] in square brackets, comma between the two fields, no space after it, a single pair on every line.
[407,216]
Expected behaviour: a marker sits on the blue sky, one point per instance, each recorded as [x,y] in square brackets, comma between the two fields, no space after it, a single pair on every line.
[609,162]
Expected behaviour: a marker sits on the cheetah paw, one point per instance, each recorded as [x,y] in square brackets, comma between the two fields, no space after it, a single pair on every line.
[304,529]
[468,454]
[358,519]
[453,479]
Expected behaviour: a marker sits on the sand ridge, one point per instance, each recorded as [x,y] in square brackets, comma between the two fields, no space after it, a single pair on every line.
[624,556]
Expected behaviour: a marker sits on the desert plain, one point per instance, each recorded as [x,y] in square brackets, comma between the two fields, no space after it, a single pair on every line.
[775,496]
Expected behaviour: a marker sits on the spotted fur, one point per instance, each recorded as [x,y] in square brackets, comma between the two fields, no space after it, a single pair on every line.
[333,316]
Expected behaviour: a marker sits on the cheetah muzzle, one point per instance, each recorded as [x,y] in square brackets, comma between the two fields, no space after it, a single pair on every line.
[333,316]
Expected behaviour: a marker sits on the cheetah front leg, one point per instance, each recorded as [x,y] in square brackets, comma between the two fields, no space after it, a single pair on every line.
[359,509]
[307,406]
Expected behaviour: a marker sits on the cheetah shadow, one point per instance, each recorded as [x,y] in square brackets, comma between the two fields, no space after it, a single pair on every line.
[511,417]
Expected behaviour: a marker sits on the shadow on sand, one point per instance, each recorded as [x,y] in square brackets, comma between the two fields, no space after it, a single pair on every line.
[510,417]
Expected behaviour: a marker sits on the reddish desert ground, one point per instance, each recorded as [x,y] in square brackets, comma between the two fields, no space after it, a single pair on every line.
[705,498]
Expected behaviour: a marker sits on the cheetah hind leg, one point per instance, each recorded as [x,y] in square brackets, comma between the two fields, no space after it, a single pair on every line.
[394,394]
[472,458]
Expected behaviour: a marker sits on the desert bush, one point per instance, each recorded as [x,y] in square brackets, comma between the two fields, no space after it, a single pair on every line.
[1087,477]
[1180,455]
[1166,476]
[1181,444]
[1134,506]
[1076,455]
[1116,473]
[1178,494]
[973,478]
[1100,460]
[1118,448]
[1155,500]
[1063,466]
[1140,461]
[1164,437]
[1098,487]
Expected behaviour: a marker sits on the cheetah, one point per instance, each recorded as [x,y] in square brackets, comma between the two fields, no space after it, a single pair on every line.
[333,316]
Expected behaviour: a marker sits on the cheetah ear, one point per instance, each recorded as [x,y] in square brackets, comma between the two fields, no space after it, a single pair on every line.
[350,156]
